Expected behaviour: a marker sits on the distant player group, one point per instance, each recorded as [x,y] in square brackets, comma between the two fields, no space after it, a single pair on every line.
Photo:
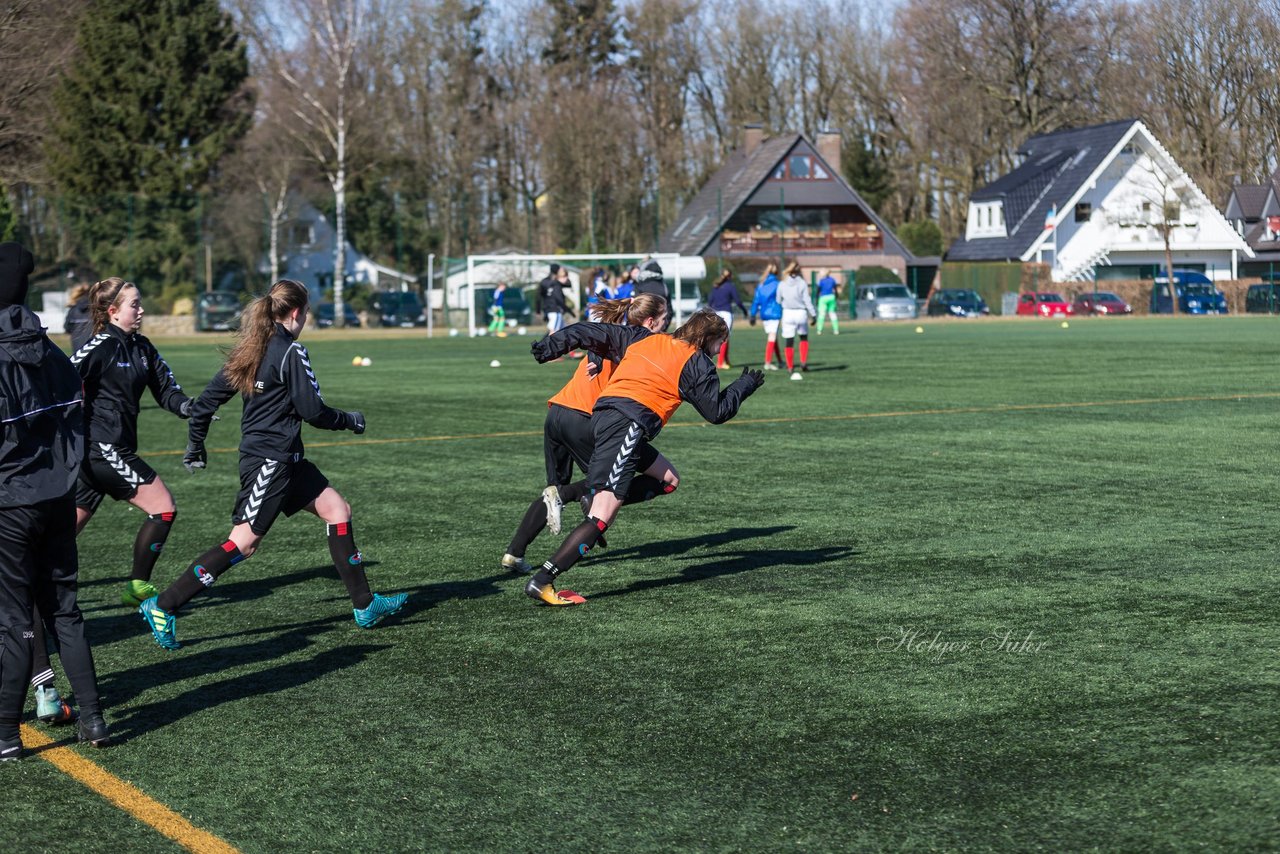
[70,438]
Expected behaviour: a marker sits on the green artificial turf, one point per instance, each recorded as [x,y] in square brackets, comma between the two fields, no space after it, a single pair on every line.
[998,585]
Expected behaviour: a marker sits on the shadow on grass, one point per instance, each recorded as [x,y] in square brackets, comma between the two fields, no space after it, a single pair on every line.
[735,562]
[273,643]
[673,548]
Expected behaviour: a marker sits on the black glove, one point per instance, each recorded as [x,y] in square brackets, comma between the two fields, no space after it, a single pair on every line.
[195,457]
[541,351]
[184,411]
[355,422]
[752,320]
[745,313]
[756,377]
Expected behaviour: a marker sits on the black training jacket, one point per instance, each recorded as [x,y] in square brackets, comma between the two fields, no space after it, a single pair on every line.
[286,394]
[699,384]
[116,367]
[41,413]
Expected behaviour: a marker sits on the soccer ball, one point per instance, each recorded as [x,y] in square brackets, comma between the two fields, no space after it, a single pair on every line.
[453,333]
[520,330]
[366,361]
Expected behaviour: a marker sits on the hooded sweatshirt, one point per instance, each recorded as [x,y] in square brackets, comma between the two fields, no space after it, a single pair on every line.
[765,303]
[794,294]
[41,413]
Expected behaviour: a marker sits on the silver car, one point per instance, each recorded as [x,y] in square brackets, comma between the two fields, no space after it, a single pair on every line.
[885,302]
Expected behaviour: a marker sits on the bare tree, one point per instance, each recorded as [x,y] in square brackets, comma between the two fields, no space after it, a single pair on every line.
[321,92]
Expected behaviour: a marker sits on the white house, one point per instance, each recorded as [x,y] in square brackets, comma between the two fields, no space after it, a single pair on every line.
[1090,201]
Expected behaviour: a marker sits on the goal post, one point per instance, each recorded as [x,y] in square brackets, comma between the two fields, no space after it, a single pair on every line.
[665,259]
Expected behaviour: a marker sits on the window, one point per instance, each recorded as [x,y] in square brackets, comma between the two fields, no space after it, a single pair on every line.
[801,167]
[1084,210]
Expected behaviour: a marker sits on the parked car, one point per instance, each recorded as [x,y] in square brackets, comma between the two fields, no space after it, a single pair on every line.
[324,315]
[1101,302]
[1196,294]
[217,311]
[885,302]
[1263,299]
[956,302]
[1044,304]
[398,308]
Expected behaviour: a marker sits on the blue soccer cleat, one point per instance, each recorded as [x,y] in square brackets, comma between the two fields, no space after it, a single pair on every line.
[381,606]
[163,625]
[51,708]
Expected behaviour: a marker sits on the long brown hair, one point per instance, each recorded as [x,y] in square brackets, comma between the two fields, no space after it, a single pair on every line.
[793,269]
[770,269]
[104,296]
[631,310]
[257,325]
[725,275]
[702,327]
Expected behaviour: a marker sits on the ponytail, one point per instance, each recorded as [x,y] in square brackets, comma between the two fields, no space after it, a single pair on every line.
[104,296]
[257,325]
[632,311]
[702,327]
[725,275]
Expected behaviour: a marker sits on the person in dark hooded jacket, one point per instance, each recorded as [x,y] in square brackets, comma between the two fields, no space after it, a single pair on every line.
[41,446]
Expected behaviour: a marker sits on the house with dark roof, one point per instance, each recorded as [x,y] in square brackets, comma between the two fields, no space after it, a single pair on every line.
[1094,202]
[1254,210]
[782,198]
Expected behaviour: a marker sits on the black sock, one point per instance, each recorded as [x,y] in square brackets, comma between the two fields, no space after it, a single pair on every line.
[643,487]
[574,492]
[574,547]
[150,541]
[535,519]
[201,574]
[349,563]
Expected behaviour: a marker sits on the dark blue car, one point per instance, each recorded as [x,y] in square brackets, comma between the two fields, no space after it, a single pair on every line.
[1196,294]
[957,302]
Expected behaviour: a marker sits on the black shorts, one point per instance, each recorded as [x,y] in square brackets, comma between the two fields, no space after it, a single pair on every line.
[271,487]
[621,450]
[110,470]
[566,439]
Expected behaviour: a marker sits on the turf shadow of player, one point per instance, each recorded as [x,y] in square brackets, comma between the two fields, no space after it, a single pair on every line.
[735,562]
[672,548]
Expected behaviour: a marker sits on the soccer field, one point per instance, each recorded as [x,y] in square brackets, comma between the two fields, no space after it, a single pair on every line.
[997,585]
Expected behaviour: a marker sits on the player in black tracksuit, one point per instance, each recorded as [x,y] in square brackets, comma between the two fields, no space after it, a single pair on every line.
[273,373]
[41,445]
[117,365]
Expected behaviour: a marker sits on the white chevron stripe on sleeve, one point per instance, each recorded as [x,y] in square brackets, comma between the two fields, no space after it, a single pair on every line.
[89,347]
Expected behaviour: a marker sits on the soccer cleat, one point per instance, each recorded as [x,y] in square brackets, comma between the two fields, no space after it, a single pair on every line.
[163,625]
[551,497]
[380,607]
[547,594]
[93,729]
[51,708]
[805,367]
[137,591]
[511,563]
[770,366]
[10,749]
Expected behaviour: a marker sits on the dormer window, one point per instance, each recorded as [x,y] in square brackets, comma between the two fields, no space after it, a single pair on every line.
[986,219]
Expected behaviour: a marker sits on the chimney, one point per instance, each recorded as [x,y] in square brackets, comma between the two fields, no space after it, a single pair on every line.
[829,148]
[752,136]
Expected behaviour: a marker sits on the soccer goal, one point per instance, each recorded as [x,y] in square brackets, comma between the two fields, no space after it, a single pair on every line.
[467,293]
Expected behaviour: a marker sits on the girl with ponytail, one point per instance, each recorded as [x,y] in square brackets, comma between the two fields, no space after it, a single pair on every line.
[567,436]
[272,373]
[117,365]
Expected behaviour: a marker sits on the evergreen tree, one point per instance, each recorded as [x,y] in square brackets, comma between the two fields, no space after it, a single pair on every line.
[922,237]
[154,99]
[584,37]
[8,218]
[867,172]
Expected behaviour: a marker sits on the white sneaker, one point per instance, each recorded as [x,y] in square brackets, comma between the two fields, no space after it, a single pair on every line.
[796,375]
[551,497]
[770,366]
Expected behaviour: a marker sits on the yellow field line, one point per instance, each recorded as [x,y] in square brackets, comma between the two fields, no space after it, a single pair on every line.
[794,419]
[128,798]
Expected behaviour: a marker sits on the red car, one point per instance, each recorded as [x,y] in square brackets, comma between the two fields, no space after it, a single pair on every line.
[1101,302]
[1044,304]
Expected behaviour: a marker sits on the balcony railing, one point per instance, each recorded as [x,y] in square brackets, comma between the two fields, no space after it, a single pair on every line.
[855,239]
